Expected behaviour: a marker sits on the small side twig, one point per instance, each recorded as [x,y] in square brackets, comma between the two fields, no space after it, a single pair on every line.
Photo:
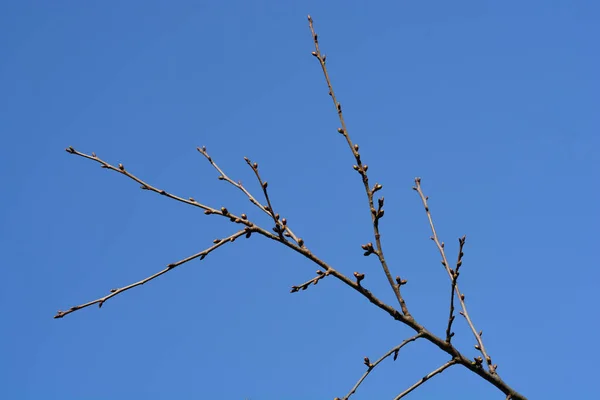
[279,225]
[461,296]
[395,350]
[313,281]
[100,301]
[426,378]
[146,186]
[455,273]
[376,214]
[282,224]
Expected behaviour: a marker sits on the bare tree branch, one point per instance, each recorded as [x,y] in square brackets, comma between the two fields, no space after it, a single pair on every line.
[313,281]
[426,378]
[376,214]
[370,366]
[461,296]
[455,273]
[217,243]
[282,231]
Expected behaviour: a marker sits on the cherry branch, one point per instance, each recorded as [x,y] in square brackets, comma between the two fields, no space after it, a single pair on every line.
[426,378]
[455,273]
[361,168]
[266,209]
[313,281]
[114,292]
[146,186]
[451,274]
[395,350]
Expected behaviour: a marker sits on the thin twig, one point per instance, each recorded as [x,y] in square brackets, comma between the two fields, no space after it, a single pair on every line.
[376,215]
[146,186]
[460,296]
[100,301]
[426,378]
[279,226]
[370,368]
[313,281]
[455,273]
[238,184]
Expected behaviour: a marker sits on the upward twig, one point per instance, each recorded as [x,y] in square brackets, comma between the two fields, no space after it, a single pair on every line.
[451,274]
[376,214]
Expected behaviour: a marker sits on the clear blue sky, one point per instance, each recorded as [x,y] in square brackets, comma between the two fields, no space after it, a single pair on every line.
[494,104]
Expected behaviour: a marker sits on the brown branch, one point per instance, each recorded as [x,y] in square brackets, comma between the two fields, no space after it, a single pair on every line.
[300,248]
[370,366]
[146,186]
[361,168]
[455,273]
[279,226]
[100,301]
[426,378]
[313,281]
[266,209]
[461,296]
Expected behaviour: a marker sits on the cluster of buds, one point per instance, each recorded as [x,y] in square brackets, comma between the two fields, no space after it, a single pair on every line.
[368,248]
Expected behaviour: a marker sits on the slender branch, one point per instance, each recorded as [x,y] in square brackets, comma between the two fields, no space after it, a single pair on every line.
[461,297]
[114,292]
[426,378]
[238,184]
[313,281]
[279,227]
[361,168]
[395,350]
[455,273]
[146,186]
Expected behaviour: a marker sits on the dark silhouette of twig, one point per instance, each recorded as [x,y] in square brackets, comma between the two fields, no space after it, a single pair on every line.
[461,297]
[361,168]
[426,378]
[395,350]
[100,301]
[455,273]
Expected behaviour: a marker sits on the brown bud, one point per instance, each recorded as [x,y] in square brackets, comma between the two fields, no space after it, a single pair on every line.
[355,147]
[284,221]
[265,184]
[359,277]
[244,217]
[341,130]
[224,211]
[121,167]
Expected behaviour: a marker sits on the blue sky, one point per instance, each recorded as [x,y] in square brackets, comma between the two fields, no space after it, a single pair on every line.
[494,104]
